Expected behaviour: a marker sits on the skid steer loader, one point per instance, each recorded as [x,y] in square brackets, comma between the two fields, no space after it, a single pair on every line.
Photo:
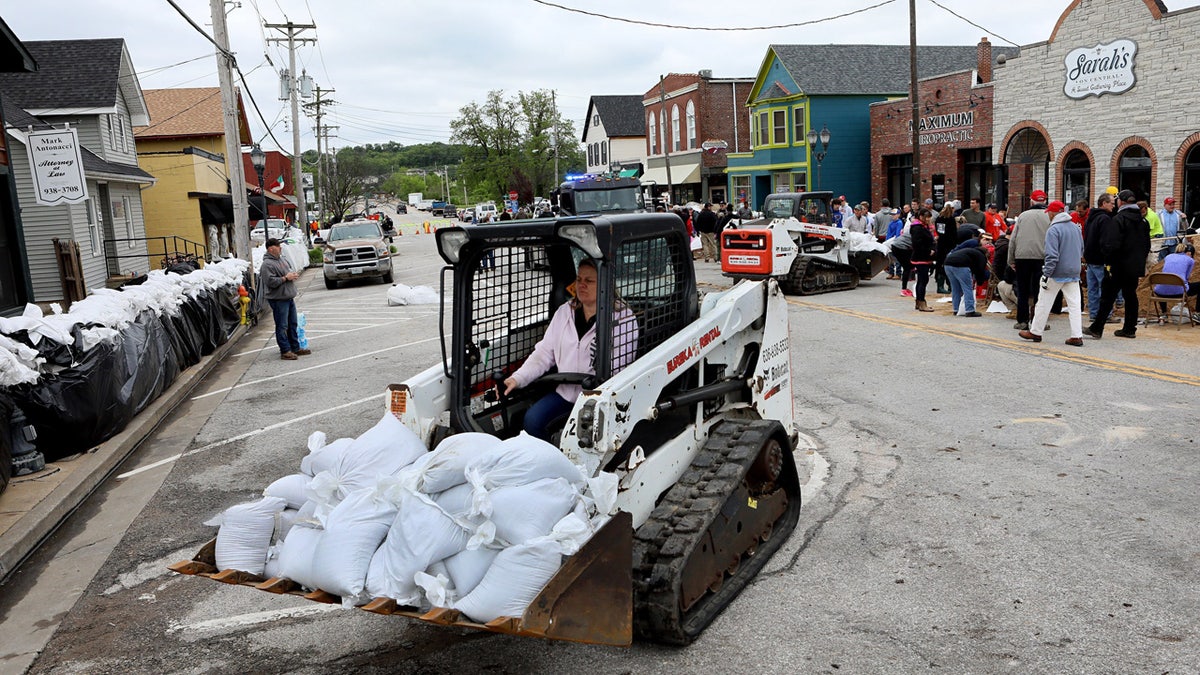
[796,243]
[698,426]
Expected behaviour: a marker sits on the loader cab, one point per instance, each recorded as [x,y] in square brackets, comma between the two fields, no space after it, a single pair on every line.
[509,279]
[805,207]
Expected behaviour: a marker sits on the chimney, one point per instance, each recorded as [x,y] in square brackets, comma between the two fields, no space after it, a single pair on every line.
[983,54]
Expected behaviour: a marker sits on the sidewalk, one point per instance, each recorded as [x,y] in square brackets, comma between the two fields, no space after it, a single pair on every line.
[34,506]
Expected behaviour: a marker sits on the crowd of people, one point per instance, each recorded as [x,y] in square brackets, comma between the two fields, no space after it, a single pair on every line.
[1039,262]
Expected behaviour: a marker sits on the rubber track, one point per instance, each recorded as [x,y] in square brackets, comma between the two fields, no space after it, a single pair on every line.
[808,282]
[664,543]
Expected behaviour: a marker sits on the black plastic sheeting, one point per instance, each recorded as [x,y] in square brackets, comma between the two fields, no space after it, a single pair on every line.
[6,471]
[97,392]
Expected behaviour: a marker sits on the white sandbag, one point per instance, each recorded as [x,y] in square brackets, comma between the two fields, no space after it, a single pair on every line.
[353,532]
[291,489]
[384,449]
[402,294]
[284,520]
[466,568]
[297,553]
[571,533]
[445,469]
[517,461]
[245,535]
[456,501]
[513,581]
[421,535]
[437,589]
[271,570]
[323,457]
[325,491]
[521,513]
[602,491]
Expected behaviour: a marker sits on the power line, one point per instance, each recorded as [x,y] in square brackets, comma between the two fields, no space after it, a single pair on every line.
[200,30]
[722,29]
[963,18]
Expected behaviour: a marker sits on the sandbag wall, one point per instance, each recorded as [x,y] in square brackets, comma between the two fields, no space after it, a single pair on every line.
[79,377]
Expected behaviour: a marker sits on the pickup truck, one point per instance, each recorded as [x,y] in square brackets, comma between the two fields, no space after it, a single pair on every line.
[355,249]
[444,210]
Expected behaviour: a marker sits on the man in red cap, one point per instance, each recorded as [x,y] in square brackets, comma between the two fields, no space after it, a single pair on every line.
[1060,272]
[1026,254]
[1171,222]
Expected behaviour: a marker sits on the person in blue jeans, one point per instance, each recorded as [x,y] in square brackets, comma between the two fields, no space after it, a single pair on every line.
[280,279]
[1098,222]
[966,265]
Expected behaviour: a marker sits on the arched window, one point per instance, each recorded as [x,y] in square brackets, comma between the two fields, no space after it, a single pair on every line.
[691,125]
[1191,182]
[1133,171]
[675,142]
[1077,178]
[653,126]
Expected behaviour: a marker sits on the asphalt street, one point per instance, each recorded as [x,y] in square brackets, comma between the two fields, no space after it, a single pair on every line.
[973,503]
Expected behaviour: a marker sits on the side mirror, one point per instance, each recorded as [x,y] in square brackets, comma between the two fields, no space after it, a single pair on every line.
[318,241]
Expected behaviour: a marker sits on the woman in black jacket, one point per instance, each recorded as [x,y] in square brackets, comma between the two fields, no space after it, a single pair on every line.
[923,246]
[947,239]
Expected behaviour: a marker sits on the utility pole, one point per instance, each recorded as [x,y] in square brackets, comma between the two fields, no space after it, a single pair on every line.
[234,168]
[554,104]
[916,102]
[314,110]
[291,30]
[662,119]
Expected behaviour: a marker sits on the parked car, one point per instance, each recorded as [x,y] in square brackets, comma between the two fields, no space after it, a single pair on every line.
[276,229]
[354,250]
[402,208]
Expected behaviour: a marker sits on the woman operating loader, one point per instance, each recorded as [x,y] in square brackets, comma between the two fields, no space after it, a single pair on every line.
[570,344]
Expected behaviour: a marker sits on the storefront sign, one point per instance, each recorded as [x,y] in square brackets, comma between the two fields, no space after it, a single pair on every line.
[1103,69]
[57,167]
[955,127]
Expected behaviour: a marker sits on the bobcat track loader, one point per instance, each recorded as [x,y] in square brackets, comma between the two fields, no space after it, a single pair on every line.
[698,426]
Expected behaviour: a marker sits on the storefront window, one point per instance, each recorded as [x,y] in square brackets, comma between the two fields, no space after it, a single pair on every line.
[1134,171]
[1191,182]
[783,182]
[979,176]
[799,181]
[899,178]
[1077,178]
[741,187]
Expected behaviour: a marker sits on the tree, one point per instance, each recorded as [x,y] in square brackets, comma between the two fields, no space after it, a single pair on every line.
[509,143]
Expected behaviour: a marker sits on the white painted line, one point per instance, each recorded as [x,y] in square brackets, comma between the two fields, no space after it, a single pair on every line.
[255,618]
[248,434]
[305,370]
[270,341]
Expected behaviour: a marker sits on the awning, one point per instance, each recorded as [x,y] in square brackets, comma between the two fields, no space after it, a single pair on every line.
[688,172]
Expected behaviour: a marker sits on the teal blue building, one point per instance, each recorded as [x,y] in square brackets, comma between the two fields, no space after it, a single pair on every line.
[815,87]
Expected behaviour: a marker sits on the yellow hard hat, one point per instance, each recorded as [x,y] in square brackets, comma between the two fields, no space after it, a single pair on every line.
[1112,190]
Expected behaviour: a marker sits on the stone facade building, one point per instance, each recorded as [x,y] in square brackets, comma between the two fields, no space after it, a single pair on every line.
[1105,100]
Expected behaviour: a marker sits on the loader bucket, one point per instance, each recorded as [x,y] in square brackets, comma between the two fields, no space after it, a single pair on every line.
[868,263]
[589,599]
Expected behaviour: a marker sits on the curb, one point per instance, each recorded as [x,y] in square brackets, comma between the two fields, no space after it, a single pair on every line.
[96,465]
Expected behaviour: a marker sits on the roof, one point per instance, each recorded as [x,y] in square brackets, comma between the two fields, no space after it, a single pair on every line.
[623,115]
[93,165]
[188,112]
[871,69]
[75,74]
[14,57]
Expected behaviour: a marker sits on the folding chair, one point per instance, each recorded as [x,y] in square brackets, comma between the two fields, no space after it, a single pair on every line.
[1166,279]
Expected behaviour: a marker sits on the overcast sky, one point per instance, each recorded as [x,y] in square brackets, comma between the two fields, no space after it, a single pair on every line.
[401,70]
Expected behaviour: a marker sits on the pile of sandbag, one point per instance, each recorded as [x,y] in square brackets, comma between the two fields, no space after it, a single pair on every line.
[478,524]
[402,294]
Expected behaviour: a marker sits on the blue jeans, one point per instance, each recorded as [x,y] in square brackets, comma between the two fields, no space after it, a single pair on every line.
[1095,277]
[962,286]
[541,414]
[286,327]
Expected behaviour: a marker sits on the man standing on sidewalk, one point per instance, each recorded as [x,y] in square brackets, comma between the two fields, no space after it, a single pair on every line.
[1026,253]
[706,225]
[1060,272]
[1095,230]
[277,274]
[1125,246]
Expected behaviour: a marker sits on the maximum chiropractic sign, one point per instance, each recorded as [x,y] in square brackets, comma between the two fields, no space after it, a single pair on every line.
[1103,69]
[957,127]
[57,167]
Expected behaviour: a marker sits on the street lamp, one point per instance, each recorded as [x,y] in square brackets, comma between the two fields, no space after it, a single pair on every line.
[258,159]
[823,138]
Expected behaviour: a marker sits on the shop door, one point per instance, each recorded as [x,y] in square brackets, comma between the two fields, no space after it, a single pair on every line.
[108,231]
[1077,178]
[1134,172]
[1191,183]
[762,188]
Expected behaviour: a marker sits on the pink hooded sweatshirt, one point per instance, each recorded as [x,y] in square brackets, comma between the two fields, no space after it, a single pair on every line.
[562,347]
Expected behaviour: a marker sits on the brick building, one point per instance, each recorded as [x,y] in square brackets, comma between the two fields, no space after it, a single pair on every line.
[955,134]
[693,121]
[1105,100]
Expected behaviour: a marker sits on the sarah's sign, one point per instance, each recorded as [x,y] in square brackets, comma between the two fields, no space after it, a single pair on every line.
[57,167]
[1103,69]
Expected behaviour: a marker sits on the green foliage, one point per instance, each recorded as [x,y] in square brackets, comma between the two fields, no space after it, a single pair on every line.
[315,256]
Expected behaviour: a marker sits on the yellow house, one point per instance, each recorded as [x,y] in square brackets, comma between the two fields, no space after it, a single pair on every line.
[190,208]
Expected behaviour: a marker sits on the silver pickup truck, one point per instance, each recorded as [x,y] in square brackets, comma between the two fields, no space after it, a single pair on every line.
[356,250]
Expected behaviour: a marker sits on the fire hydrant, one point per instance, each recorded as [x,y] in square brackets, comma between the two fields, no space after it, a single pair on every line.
[244,299]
